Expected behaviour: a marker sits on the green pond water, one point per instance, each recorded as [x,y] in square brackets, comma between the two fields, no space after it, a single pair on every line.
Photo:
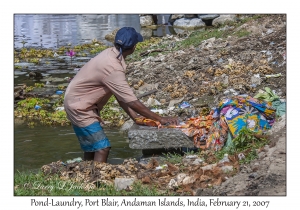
[35,147]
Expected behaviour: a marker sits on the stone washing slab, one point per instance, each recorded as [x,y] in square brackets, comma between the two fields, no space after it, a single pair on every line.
[146,137]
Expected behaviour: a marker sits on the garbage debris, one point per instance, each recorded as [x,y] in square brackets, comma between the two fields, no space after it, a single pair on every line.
[176,101]
[267,95]
[59,92]
[158,111]
[60,108]
[273,75]
[184,105]
[232,114]
[256,80]
[77,160]
[225,159]
[37,107]
[241,156]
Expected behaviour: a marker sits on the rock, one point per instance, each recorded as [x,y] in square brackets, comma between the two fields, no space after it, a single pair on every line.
[253,175]
[188,180]
[146,20]
[226,169]
[127,125]
[111,37]
[146,137]
[172,18]
[208,17]
[209,167]
[180,177]
[191,156]
[185,23]
[223,18]
[198,161]
[172,184]
[123,183]
[146,32]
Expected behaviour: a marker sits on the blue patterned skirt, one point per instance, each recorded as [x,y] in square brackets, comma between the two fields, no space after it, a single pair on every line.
[91,138]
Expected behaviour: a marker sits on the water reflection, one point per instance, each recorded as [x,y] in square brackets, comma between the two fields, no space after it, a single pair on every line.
[55,30]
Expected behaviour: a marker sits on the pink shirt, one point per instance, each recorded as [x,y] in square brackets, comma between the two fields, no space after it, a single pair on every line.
[93,85]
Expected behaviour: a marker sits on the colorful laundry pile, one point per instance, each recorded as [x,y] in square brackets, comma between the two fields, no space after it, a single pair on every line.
[231,115]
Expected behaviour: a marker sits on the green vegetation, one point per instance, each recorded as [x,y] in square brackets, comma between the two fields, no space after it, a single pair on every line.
[173,158]
[38,184]
[112,115]
[44,115]
[247,143]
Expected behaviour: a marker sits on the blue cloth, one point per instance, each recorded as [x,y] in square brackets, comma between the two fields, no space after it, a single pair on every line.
[91,138]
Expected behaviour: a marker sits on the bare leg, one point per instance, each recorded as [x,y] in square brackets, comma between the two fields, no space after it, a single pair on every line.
[88,155]
[101,155]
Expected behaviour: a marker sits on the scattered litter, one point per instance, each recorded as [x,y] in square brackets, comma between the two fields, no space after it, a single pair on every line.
[284,55]
[159,111]
[255,79]
[225,159]
[269,31]
[161,167]
[184,105]
[153,102]
[191,156]
[241,156]
[173,102]
[75,160]
[37,107]
[59,92]
[273,75]
[253,175]
[60,108]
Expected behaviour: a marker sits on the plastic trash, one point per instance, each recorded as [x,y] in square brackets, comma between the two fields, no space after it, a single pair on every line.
[159,111]
[273,75]
[60,108]
[37,107]
[161,167]
[77,160]
[184,105]
[225,159]
[269,31]
[59,92]
[153,102]
[241,156]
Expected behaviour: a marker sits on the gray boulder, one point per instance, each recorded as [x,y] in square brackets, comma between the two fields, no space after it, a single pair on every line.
[186,23]
[146,137]
[123,183]
[146,20]
[208,17]
[223,18]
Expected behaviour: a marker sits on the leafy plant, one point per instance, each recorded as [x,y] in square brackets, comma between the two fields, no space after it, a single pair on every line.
[247,139]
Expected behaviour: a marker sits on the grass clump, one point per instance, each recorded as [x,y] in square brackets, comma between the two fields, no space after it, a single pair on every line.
[37,184]
[247,142]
